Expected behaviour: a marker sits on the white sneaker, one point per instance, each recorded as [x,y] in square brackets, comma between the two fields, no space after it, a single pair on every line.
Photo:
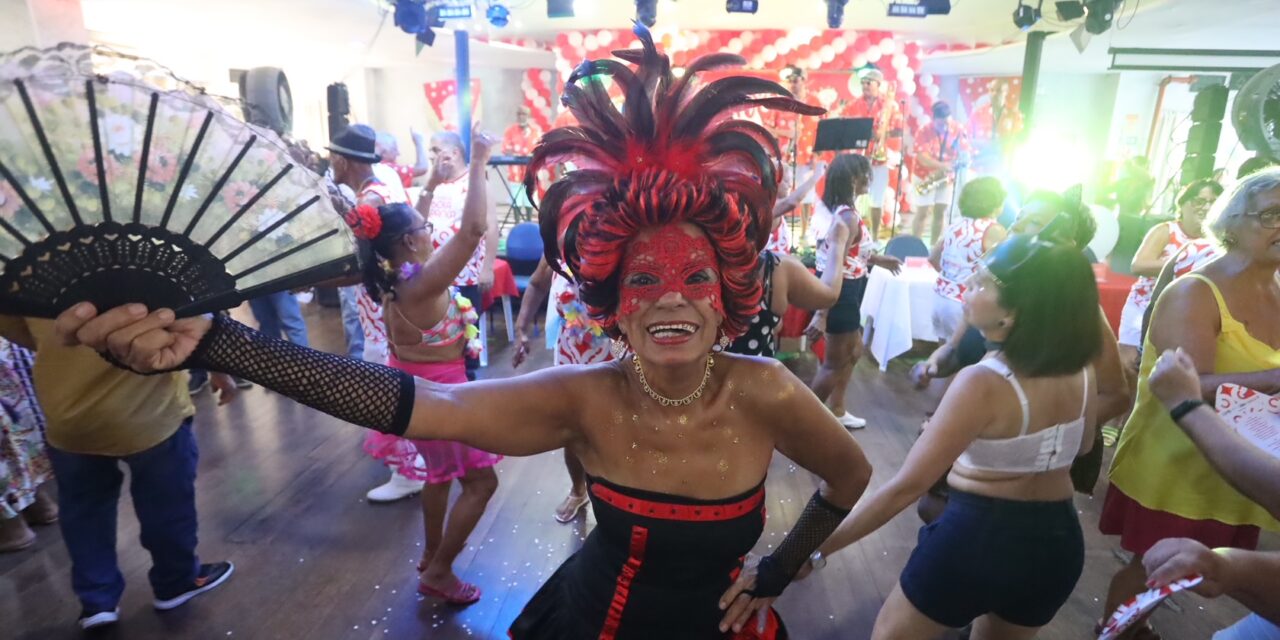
[99,619]
[851,421]
[397,488]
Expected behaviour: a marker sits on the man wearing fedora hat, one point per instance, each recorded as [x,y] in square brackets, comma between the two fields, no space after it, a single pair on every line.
[353,157]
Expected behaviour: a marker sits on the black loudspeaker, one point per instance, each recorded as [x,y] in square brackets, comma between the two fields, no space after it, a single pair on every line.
[559,8]
[937,7]
[1206,128]
[339,105]
[1210,104]
[267,100]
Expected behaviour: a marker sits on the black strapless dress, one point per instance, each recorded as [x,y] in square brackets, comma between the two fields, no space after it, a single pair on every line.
[654,568]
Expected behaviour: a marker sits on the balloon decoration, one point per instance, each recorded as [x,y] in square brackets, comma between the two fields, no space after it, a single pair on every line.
[827,56]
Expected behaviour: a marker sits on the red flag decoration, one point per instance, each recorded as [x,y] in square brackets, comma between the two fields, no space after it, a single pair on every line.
[442,97]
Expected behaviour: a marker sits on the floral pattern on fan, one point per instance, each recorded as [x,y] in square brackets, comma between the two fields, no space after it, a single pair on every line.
[84,149]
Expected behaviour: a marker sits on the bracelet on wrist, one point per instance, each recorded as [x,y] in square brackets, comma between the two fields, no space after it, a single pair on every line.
[1186,406]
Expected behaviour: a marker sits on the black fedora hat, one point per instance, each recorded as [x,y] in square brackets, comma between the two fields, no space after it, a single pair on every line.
[356,142]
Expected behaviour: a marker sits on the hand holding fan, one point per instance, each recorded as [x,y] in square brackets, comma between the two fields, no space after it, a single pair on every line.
[1133,611]
[114,190]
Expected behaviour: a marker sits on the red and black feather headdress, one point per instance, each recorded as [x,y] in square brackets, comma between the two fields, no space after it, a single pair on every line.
[673,153]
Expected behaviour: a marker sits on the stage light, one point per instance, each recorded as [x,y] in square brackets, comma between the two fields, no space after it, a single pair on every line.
[1049,160]
[835,13]
[647,12]
[559,8]
[1026,16]
[741,6]
[1101,12]
[919,9]
[427,37]
[498,15]
[453,11]
[1068,11]
[905,10]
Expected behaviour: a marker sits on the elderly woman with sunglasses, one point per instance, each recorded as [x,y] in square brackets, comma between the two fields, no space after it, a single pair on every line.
[1162,244]
[1008,550]
[1223,316]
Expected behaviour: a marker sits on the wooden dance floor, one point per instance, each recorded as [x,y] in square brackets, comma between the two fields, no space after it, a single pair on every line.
[281,494]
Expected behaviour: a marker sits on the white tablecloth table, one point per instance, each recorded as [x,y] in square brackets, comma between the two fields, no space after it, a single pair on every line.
[898,309]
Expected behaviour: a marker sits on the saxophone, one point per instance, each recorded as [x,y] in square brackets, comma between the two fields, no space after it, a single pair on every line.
[933,181]
[880,154]
[937,178]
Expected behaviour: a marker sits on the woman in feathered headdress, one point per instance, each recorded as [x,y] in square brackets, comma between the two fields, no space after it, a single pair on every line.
[660,225]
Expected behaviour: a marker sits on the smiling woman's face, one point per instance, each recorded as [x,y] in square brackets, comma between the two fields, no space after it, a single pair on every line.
[670,302]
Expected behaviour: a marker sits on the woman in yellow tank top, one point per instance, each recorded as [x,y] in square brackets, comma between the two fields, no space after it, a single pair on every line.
[1223,316]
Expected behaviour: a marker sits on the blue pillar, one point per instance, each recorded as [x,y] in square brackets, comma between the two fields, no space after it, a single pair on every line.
[462,56]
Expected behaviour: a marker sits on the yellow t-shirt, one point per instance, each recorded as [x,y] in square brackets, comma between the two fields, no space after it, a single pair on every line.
[93,407]
[1158,466]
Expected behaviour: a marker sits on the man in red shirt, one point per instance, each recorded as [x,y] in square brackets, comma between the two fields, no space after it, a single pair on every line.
[796,135]
[519,140]
[940,148]
[873,104]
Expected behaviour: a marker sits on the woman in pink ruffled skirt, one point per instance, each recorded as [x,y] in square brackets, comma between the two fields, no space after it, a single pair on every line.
[430,328]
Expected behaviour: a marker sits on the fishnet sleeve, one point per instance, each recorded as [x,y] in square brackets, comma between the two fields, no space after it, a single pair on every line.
[815,525]
[370,395]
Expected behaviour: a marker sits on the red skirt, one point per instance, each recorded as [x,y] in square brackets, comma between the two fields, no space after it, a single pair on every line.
[1140,528]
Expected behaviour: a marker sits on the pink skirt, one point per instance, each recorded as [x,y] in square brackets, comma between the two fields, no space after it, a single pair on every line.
[442,460]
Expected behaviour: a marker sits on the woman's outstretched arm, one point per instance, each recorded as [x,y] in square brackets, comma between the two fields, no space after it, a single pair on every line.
[366,394]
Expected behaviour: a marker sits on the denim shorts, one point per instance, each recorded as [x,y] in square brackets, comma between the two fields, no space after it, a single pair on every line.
[1018,560]
[846,315]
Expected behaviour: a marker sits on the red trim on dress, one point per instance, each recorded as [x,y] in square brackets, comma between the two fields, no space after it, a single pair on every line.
[639,539]
[685,512]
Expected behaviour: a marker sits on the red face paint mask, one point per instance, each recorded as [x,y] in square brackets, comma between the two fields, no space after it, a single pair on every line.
[669,260]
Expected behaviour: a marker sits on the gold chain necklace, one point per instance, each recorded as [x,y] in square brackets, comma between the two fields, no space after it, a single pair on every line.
[669,402]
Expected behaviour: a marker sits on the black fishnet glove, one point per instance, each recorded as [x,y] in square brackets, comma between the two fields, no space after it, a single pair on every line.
[369,395]
[815,525]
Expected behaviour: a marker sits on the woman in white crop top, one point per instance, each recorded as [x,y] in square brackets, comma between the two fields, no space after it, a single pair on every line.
[1008,429]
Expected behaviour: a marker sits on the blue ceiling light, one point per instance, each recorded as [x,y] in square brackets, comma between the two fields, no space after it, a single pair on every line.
[498,15]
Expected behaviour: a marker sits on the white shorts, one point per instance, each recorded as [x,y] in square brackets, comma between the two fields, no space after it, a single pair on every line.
[879,184]
[947,315]
[1252,627]
[939,195]
[1131,324]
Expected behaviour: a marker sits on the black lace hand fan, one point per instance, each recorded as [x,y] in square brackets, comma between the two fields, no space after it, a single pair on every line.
[114,189]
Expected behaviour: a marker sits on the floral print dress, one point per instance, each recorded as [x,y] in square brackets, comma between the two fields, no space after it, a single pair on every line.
[24,463]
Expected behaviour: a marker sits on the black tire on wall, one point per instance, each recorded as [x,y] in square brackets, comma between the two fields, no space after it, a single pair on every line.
[268,102]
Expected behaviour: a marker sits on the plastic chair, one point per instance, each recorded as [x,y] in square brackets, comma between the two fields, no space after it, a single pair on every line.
[903,247]
[524,250]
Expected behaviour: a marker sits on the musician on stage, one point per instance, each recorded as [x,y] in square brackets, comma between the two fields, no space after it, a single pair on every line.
[939,147]
[518,140]
[885,150]
[796,136]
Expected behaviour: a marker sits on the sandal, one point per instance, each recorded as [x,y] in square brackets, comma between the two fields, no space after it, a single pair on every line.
[462,593]
[1145,632]
[575,504]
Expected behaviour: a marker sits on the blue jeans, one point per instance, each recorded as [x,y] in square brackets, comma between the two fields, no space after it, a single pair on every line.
[351,322]
[1252,627]
[279,315]
[163,486]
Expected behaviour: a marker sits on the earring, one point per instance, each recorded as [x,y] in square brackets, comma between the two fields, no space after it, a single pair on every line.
[724,342]
[618,347]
